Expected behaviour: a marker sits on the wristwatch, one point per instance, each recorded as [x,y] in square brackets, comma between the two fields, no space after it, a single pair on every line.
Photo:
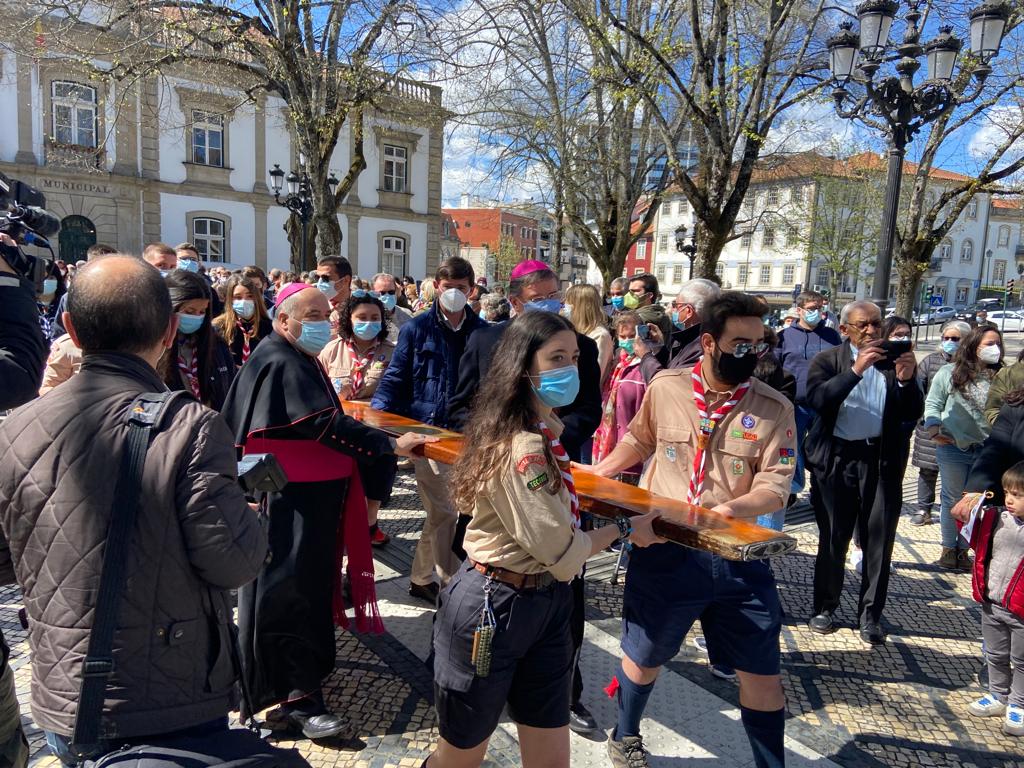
[625,530]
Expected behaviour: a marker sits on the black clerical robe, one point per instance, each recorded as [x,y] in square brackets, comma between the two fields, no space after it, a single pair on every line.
[281,402]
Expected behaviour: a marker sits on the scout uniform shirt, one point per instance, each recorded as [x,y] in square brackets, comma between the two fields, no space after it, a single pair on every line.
[752,448]
[337,360]
[518,523]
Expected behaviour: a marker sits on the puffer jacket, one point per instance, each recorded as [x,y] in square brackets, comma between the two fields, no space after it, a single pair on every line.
[194,539]
[1008,380]
[924,446]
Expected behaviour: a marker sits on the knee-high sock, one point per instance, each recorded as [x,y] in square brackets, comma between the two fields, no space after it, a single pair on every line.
[632,702]
[766,731]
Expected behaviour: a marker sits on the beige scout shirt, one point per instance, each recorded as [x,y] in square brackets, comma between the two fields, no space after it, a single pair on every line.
[64,362]
[337,361]
[518,524]
[752,448]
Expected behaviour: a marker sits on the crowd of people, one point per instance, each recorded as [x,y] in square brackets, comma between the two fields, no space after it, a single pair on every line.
[693,398]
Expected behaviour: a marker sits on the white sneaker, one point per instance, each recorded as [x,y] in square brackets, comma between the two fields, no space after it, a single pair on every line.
[700,644]
[856,559]
[1013,725]
[987,706]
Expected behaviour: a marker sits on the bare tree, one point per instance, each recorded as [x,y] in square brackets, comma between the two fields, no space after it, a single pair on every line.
[725,70]
[330,61]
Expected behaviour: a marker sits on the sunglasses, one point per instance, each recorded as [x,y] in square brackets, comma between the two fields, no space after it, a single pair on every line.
[951,338]
[384,293]
[747,348]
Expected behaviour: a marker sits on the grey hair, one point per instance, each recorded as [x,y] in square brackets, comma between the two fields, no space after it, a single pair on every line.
[697,293]
[844,316]
[956,325]
[515,287]
[288,305]
[618,282]
[381,275]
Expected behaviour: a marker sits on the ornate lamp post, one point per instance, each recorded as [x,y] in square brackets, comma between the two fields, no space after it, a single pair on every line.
[299,199]
[690,249]
[894,104]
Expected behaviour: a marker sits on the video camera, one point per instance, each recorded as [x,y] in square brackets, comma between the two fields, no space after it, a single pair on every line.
[261,472]
[24,219]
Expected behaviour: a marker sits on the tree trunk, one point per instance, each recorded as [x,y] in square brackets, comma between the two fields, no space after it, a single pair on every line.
[906,288]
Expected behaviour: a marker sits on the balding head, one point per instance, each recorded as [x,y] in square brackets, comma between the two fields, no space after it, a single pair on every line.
[119,304]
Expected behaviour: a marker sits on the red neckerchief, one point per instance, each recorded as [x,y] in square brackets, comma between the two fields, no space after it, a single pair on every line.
[564,469]
[246,336]
[359,365]
[707,428]
[190,372]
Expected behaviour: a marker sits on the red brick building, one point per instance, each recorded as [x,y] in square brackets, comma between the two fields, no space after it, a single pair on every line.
[487,227]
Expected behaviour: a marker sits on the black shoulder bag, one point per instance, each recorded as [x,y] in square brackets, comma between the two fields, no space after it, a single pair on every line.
[235,748]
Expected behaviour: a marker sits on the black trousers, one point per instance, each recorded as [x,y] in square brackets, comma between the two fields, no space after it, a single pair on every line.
[856,491]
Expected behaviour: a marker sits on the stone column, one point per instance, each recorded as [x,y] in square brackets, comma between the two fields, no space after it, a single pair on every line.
[260,210]
[26,109]
[260,156]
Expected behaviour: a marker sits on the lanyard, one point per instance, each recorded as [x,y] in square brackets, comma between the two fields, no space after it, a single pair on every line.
[707,428]
[562,459]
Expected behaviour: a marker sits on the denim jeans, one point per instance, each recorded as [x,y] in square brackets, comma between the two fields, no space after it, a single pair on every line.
[954,466]
[803,417]
[60,746]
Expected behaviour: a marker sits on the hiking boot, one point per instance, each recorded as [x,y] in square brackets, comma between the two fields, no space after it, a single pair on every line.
[964,561]
[948,559]
[628,753]
[924,517]
[987,706]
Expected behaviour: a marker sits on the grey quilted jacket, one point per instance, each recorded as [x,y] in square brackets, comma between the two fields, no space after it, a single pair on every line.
[195,538]
[924,446]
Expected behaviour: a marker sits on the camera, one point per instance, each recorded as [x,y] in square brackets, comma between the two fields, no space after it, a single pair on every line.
[261,472]
[24,218]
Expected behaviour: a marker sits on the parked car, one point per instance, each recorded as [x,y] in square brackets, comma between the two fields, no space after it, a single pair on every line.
[1006,320]
[987,305]
[937,315]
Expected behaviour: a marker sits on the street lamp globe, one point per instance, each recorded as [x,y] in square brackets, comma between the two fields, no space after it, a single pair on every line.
[875,17]
[276,179]
[333,182]
[680,235]
[942,53]
[842,52]
[293,183]
[988,23]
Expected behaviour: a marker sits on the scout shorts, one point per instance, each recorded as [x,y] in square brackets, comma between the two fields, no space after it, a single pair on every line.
[531,658]
[669,587]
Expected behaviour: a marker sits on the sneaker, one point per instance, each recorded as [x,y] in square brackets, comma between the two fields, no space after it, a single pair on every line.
[947,559]
[987,706]
[857,559]
[378,538]
[628,753]
[722,672]
[924,517]
[1013,725]
[701,644]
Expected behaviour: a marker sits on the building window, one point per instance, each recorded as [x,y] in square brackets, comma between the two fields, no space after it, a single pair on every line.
[1004,236]
[677,273]
[741,273]
[666,208]
[788,273]
[683,207]
[940,291]
[766,274]
[638,270]
[768,239]
[792,234]
[999,272]
[392,255]
[967,250]
[972,209]
[74,114]
[641,249]
[824,276]
[208,237]
[773,196]
[660,273]
[796,195]
[207,138]
[396,162]
[946,250]
[720,270]
[662,243]
[746,239]
[961,295]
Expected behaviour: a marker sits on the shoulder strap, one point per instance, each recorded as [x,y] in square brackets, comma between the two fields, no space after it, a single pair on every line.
[145,416]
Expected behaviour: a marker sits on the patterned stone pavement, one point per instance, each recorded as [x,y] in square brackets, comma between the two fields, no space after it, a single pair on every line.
[901,705]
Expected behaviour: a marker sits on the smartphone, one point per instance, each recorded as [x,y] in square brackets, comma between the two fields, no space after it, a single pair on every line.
[642,331]
[894,349]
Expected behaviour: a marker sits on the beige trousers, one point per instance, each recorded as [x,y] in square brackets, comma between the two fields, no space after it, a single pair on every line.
[435,547]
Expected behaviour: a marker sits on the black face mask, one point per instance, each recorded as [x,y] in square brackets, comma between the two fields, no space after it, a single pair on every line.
[733,370]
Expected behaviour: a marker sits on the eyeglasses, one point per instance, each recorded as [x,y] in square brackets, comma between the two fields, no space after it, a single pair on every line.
[384,293]
[747,348]
[554,295]
[951,338]
[866,323]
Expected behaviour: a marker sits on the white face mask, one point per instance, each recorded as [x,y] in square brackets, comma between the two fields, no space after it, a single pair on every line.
[990,355]
[453,301]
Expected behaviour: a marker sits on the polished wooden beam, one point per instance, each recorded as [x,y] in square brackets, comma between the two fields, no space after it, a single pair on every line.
[683,523]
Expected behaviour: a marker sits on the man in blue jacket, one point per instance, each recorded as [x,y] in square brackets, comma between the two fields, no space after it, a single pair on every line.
[419,383]
[798,344]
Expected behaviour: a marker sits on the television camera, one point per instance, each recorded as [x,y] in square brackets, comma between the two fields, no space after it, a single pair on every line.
[24,218]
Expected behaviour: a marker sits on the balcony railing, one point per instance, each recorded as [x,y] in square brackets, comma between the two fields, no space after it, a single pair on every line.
[74,157]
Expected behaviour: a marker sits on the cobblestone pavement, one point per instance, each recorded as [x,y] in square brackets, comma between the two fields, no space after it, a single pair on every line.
[903,704]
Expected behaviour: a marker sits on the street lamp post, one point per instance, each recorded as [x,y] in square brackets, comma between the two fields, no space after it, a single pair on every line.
[299,197]
[894,104]
[690,249]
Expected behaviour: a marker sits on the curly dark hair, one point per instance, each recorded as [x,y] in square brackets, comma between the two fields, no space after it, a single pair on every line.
[503,407]
[345,329]
[967,368]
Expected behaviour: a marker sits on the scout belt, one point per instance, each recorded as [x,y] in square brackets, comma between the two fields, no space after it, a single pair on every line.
[513,579]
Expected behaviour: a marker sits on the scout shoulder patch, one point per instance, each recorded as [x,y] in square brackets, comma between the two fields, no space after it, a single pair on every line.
[538,481]
[530,459]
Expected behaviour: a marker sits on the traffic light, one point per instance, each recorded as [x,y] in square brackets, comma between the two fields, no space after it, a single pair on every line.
[929,291]
[1009,287]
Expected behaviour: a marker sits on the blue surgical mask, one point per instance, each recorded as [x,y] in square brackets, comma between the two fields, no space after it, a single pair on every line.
[627,344]
[188,265]
[326,287]
[812,318]
[314,337]
[389,300]
[359,293]
[189,324]
[559,387]
[949,347]
[244,308]
[49,286]
[366,331]
[164,273]
[543,305]
[676,321]
[566,311]
[618,302]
